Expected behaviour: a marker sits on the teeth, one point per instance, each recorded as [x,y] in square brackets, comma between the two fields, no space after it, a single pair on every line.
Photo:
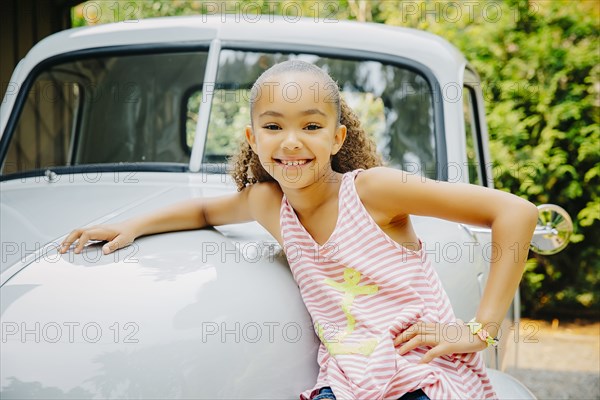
[292,163]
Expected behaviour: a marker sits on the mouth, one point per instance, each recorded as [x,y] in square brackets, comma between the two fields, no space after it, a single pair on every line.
[293,163]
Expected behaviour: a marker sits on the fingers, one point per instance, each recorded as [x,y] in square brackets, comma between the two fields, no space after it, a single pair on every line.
[410,332]
[66,244]
[82,236]
[417,341]
[419,334]
[83,239]
[110,247]
[115,244]
[422,334]
[444,338]
[434,352]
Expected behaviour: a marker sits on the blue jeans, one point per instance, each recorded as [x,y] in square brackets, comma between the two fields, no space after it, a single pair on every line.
[327,394]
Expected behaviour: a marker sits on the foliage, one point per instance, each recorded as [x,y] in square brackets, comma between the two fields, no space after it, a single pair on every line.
[539,63]
[101,12]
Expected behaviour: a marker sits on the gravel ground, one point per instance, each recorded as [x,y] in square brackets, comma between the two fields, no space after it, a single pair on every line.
[556,361]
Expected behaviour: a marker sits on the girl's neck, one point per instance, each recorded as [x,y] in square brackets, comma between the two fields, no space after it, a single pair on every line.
[305,201]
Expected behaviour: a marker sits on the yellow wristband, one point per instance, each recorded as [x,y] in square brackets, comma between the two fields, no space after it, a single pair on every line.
[477,329]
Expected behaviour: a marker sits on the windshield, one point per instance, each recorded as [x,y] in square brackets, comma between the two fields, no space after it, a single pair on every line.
[143,109]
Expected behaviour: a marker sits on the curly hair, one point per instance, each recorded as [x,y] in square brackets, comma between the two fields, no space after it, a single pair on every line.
[358,150]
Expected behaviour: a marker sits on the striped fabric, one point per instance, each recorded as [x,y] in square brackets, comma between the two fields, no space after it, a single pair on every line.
[362,289]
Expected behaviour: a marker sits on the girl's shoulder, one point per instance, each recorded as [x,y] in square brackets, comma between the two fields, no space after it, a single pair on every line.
[264,200]
[374,188]
[376,181]
[265,194]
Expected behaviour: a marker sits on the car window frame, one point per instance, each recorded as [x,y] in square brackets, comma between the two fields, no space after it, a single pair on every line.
[472,83]
[475,134]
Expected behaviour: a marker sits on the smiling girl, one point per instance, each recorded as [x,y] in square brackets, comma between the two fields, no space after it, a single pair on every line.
[310,176]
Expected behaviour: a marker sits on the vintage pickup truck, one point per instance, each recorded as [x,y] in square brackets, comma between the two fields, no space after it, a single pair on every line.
[103,123]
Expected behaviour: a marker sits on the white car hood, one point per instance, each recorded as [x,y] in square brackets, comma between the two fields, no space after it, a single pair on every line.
[177,315]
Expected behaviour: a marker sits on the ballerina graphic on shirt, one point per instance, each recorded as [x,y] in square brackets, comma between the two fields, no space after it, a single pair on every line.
[351,289]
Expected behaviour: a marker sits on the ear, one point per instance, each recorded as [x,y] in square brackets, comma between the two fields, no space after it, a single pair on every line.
[250,137]
[338,139]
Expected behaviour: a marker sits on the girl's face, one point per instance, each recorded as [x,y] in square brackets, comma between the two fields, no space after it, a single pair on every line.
[295,129]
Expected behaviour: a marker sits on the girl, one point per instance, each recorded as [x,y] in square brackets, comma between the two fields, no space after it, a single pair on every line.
[308,173]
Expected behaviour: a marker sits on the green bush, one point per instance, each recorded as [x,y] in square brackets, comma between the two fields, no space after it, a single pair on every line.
[539,63]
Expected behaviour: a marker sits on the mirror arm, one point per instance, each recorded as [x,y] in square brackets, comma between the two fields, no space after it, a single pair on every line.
[539,230]
[551,235]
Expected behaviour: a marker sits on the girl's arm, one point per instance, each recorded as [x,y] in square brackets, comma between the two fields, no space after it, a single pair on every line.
[190,214]
[512,220]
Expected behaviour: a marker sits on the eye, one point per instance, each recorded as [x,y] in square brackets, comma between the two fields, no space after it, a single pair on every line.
[272,127]
[312,127]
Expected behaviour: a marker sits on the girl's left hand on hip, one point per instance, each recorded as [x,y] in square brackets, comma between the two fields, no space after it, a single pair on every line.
[445,338]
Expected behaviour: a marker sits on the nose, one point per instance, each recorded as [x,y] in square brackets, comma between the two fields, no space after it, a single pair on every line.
[291,141]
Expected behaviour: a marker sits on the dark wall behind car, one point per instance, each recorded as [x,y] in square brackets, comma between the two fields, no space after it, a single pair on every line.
[24,23]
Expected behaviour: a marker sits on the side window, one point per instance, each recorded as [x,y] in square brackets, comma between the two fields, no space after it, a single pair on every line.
[472,136]
[45,138]
[229,116]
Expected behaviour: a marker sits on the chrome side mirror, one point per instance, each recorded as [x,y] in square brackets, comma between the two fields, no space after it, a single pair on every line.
[553,230]
[552,233]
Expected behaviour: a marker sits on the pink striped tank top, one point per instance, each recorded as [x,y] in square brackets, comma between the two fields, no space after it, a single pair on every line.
[362,289]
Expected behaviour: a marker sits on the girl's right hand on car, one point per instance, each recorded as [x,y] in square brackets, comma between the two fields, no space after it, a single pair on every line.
[117,235]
